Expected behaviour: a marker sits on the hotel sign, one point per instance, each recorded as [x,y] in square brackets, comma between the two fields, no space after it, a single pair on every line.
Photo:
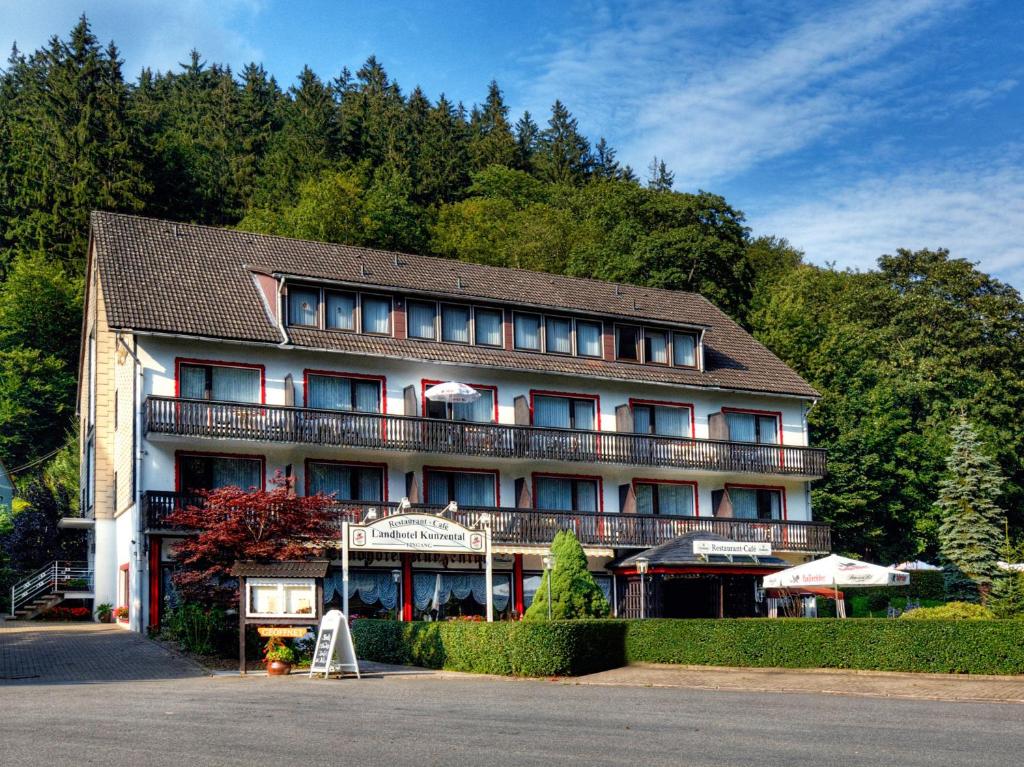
[732,548]
[416,532]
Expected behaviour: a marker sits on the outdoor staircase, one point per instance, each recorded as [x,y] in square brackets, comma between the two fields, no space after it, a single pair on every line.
[49,586]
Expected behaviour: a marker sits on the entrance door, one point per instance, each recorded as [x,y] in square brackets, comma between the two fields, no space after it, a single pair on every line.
[683,597]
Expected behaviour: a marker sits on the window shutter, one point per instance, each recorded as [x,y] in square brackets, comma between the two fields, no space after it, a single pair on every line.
[522,410]
[721,505]
[718,428]
[289,391]
[624,418]
[409,398]
[523,498]
[627,498]
[412,487]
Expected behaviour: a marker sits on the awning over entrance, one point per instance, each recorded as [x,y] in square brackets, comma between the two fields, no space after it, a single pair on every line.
[681,552]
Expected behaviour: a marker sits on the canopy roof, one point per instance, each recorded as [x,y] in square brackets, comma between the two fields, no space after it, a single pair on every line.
[679,553]
[836,571]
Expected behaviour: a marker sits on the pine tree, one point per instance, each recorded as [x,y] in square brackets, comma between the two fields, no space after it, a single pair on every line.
[443,160]
[969,530]
[606,167]
[574,592]
[527,133]
[563,154]
[659,177]
[491,142]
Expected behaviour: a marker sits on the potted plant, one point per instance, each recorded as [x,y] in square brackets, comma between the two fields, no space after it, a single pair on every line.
[105,613]
[278,657]
[121,613]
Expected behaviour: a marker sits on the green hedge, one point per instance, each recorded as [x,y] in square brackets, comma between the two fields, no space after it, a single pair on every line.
[558,648]
[965,647]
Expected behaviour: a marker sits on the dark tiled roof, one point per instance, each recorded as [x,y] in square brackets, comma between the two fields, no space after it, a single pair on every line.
[289,568]
[679,553]
[161,276]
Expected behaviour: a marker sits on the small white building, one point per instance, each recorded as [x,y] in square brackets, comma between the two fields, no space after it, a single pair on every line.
[631,415]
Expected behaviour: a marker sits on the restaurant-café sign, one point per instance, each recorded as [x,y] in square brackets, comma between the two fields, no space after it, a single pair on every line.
[733,548]
[416,532]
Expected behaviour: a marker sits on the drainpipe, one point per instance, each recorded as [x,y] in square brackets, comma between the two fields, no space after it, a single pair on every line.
[807,440]
[141,559]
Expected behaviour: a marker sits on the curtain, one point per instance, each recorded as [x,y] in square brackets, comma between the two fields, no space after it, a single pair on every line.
[192,382]
[302,306]
[605,584]
[530,585]
[330,393]
[341,311]
[433,590]
[367,396]
[376,315]
[471,489]
[455,324]
[658,347]
[551,411]
[742,427]
[328,478]
[235,472]
[480,411]
[488,328]
[527,331]
[558,334]
[554,493]
[437,488]
[642,419]
[672,421]
[774,505]
[645,499]
[583,414]
[586,495]
[768,428]
[588,339]
[675,500]
[370,587]
[684,349]
[236,384]
[421,320]
[371,483]
[744,503]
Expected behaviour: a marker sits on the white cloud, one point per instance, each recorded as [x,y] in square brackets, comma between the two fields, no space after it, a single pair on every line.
[152,33]
[975,209]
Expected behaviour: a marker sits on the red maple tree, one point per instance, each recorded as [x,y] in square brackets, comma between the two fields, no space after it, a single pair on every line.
[233,524]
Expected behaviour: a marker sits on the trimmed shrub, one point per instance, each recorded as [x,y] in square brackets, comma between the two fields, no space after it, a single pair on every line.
[574,592]
[198,629]
[955,611]
[938,646]
[556,648]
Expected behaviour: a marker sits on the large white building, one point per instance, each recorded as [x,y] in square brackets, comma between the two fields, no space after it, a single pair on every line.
[639,418]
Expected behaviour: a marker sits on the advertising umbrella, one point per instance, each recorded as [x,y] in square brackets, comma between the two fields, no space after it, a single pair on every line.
[837,572]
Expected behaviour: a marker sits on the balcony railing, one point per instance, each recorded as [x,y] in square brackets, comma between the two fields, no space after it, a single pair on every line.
[537,527]
[376,431]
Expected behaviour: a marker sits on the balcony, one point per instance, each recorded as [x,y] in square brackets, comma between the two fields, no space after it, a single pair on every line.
[375,431]
[537,527]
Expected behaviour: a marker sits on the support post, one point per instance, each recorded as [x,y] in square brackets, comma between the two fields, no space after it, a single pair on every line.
[517,576]
[344,569]
[241,626]
[407,587]
[488,567]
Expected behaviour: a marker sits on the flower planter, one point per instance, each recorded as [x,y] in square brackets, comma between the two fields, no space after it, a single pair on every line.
[278,668]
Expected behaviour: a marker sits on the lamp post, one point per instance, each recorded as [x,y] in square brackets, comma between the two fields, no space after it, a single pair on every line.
[396,576]
[549,565]
[642,564]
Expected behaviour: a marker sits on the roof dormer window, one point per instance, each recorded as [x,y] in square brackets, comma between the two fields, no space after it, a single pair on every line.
[304,306]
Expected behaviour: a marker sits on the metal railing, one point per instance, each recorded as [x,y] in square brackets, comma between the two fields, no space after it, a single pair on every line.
[56,577]
[537,527]
[379,431]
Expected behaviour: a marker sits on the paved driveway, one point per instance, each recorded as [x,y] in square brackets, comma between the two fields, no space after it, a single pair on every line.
[46,653]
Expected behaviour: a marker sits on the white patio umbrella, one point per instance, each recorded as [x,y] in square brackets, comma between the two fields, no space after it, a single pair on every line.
[917,564]
[837,572]
[452,392]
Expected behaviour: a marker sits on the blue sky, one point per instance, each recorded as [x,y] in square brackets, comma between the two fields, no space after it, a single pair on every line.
[849,128]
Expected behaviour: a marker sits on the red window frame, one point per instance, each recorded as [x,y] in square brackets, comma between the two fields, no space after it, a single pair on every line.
[382,380]
[426,383]
[777,414]
[779,488]
[361,464]
[496,473]
[179,454]
[568,395]
[179,361]
[545,474]
[664,403]
[652,481]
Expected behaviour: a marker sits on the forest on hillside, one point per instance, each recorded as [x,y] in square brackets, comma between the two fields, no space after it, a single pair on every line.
[899,352]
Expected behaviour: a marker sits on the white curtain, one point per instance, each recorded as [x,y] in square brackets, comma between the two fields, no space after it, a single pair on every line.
[684,349]
[744,503]
[588,339]
[480,411]
[530,585]
[371,588]
[341,311]
[488,328]
[527,331]
[672,421]
[551,411]
[192,382]
[302,306]
[554,493]
[376,315]
[330,392]
[236,384]
[422,320]
[455,324]
[433,590]
[742,427]
[658,344]
[558,334]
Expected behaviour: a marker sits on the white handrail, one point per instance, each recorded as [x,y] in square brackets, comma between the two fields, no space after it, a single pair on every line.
[51,578]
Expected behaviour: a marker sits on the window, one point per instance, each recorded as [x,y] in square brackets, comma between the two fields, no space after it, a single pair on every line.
[588,339]
[422,319]
[377,315]
[656,347]
[346,482]
[526,331]
[558,335]
[455,324]
[329,392]
[304,306]
[221,383]
[90,361]
[479,411]
[564,412]
[666,420]
[89,470]
[489,327]
[669,499]
[340,310]
[627,342]
[755,503]
[566,493]
[207,472]
[464,487]
[753,427]
[684,350]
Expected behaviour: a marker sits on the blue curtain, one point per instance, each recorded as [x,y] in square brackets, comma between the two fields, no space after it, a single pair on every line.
[645,499]
[744,503]
[302,306]
[370,587]
[588,339]
[480,411]
[367,396]
[684,349]
[768,430]
[422,320]
[437,488]
[586,495]
[192,382]
[455,324]
[675,500]
[554,493]
[488,328]
[742,427]
[328,478]
[376,315]
[235,472]
[329,392]
[236,384]
[558,335]
[526,331]
[341,311]
[583,414]
[642,419]
[658,346]
[672,421]
[551,411]
[473,489]
[433,590]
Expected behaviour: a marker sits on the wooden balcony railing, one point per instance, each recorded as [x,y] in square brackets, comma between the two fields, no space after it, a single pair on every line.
[376,431]
[537,527]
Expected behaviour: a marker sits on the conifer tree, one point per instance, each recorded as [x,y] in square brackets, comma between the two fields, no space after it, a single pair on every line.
[563,153]
[443,159]
[659,177]
[606,167]
[574,592]
[527,133]
[492,142]
[970,524]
